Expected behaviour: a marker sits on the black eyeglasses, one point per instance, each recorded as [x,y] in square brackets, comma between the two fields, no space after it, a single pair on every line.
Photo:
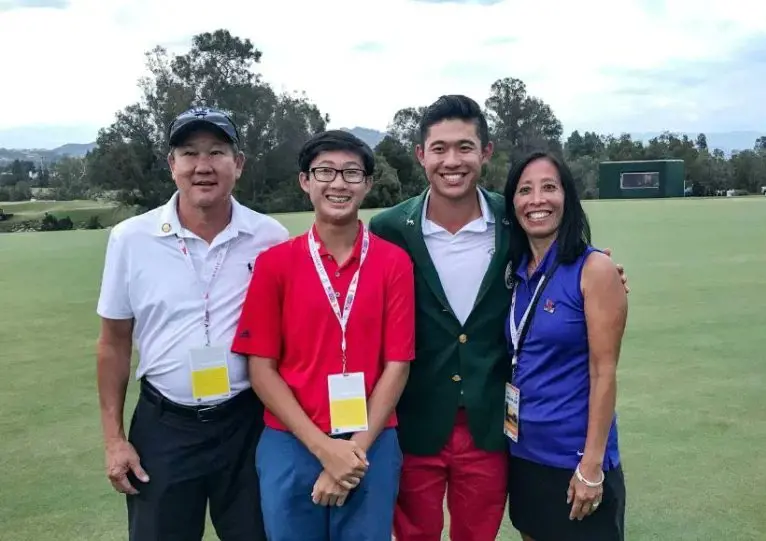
[328,174]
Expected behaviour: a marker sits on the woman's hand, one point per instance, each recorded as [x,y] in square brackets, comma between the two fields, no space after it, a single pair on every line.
[585,499]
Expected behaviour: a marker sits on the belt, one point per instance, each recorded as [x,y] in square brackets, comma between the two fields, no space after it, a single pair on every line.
[202,413]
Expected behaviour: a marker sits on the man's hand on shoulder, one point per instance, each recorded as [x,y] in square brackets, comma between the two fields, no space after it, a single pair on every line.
[620,270]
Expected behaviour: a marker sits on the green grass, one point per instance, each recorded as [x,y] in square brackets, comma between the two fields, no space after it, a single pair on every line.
[78,211]
[691,394]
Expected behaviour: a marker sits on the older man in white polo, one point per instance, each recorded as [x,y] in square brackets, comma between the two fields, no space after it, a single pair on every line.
[173,283]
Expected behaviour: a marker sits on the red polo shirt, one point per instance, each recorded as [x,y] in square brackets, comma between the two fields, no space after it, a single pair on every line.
[287,316]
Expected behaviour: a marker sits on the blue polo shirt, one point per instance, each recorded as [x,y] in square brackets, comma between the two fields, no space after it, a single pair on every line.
[552,373]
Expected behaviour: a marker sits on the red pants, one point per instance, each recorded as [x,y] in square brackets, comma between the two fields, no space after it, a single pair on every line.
[475,482]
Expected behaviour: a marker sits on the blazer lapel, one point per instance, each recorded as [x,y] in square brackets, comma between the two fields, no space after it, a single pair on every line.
[413,234]
[496,269]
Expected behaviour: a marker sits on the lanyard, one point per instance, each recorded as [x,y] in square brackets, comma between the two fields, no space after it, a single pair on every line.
[519,334]
[330,291]
[208,286]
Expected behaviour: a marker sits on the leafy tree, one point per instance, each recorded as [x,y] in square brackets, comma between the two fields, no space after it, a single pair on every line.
[623,148]
[68,180]
[400,156]
[748,171]
[495,173]
[405,127]
[588,144]
[386,190]
[702,142]
[218,71]
[520,123]
[585,172]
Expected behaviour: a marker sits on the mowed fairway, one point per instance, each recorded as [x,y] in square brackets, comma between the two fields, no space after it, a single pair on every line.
[692,399]
[78,211]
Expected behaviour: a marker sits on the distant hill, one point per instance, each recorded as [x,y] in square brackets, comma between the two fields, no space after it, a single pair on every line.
[368,135]
[74,149]
[38,155]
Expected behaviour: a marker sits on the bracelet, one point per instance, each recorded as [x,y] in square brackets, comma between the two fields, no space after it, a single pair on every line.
[584,481]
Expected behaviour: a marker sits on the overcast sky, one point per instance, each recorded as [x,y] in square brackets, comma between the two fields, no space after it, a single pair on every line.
[605,65]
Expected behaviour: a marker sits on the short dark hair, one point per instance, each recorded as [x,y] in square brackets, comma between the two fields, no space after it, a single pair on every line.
[574,230]
[451,107]
[332,140]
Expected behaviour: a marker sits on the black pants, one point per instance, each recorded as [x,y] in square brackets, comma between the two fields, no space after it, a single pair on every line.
[194,460]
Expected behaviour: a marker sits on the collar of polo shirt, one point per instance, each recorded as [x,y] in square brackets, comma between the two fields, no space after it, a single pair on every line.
[169,224]
[477,226]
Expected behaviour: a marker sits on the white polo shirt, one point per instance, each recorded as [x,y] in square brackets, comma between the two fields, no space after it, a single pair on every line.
[147,277]
[462,259]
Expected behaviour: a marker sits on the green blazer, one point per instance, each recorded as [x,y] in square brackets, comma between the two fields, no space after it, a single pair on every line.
[450,357]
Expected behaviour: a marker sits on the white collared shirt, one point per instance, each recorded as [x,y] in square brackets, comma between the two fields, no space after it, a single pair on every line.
[147,277]
[462,259]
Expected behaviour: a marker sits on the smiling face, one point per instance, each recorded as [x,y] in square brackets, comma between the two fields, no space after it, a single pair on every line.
[205,168]
[336,200]
[452,156]
[539,199]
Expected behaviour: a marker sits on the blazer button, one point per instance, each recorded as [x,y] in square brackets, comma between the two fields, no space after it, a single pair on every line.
[462,338]
[456,378]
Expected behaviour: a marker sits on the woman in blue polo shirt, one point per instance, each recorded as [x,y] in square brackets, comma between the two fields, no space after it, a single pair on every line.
[566,482]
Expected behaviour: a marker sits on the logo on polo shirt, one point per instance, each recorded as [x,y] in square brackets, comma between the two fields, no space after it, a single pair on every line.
[244,334]
[549,306]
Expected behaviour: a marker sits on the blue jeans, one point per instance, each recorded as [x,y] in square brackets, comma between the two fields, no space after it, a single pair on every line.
[288,471]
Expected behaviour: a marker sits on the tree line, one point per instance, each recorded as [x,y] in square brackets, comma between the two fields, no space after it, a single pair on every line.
[129,161]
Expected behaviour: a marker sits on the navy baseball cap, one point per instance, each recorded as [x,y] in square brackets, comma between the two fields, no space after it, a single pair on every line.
[200,117]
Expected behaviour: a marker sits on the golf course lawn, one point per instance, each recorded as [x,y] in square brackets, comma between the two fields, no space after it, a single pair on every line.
[692,375]
[77,211]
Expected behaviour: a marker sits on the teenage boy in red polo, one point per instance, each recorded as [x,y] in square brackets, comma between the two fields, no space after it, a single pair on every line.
[329,328]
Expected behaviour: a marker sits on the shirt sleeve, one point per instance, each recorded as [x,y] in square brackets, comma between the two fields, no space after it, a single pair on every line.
[399,316]
[259,331]
[114,297]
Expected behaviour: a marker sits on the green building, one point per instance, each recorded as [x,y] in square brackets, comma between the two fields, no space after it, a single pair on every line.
[641,179]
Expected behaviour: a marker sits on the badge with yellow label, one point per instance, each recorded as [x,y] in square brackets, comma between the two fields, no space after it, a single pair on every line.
[210,374]
[511,425]
[348,403]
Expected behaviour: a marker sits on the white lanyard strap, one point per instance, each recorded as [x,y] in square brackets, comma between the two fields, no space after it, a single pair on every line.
[207,286]
[516,332]
[330,291]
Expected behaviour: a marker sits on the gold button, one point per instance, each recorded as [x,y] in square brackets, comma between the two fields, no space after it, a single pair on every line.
[456,377]
[463,338]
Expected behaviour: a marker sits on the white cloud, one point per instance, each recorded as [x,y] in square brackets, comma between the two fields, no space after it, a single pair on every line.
[80,65]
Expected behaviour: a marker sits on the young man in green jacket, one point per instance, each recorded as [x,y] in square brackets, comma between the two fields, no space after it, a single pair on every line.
[452,410]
